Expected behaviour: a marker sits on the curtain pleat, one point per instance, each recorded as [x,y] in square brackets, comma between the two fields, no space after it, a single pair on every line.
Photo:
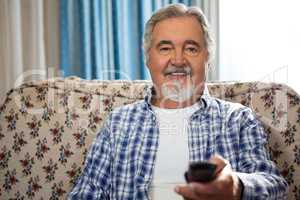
[28,42]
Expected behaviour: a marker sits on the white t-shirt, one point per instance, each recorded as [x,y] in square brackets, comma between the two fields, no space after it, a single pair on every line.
[172,156]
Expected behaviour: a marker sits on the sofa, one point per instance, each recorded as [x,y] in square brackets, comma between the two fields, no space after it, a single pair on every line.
[46,128]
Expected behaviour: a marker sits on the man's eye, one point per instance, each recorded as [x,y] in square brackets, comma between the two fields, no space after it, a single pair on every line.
[191,50]
[165,50]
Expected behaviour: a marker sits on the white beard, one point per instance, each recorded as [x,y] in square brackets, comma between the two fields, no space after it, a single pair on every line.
[177,91]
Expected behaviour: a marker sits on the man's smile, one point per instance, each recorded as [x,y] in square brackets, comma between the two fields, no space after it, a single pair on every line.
[178,76]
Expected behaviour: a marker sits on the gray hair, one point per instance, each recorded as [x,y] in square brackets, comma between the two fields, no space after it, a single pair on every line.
[178,10]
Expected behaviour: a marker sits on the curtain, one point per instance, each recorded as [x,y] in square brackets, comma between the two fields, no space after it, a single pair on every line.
[29,47]
[103,39]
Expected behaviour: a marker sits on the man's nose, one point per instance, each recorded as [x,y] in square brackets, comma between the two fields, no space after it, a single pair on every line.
[178,58]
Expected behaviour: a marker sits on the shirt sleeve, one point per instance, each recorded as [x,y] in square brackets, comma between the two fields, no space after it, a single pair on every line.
[94,182]
[259,175]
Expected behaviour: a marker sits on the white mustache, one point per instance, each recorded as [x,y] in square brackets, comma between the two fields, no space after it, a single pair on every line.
[174,69]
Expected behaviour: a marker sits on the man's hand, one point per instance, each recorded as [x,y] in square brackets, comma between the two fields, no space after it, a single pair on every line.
[226,185]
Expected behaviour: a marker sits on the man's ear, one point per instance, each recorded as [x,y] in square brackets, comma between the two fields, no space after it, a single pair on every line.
[207,69]
[147,62]
[206,56]
[146,58]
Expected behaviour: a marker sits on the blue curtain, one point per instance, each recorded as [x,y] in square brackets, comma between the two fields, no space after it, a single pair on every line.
[102,39]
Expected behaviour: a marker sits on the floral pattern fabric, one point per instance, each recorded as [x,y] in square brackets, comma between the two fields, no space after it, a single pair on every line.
[46,128]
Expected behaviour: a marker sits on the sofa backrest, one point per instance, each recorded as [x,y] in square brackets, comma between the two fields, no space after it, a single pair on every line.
[46,128]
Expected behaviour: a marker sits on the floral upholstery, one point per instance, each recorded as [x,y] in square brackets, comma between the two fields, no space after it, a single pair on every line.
[46,128]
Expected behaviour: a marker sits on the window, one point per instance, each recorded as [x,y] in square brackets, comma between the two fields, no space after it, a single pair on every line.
[260,41]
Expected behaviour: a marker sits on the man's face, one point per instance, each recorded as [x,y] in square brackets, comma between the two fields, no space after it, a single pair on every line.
[177,56]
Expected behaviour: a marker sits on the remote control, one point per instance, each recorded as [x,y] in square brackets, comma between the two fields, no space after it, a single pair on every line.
[200,171]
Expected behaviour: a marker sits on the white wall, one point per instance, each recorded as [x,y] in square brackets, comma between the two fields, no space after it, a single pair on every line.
[260,41]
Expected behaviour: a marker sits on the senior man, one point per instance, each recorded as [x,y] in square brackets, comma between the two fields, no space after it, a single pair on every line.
[144,148]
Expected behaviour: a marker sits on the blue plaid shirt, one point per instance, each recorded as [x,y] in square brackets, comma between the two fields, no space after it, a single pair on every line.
[121,160]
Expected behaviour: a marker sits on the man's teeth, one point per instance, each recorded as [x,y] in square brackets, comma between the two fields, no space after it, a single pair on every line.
[178,74]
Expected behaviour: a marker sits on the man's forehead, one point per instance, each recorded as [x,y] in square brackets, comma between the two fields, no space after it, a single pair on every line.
[178,29]
[170,42]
